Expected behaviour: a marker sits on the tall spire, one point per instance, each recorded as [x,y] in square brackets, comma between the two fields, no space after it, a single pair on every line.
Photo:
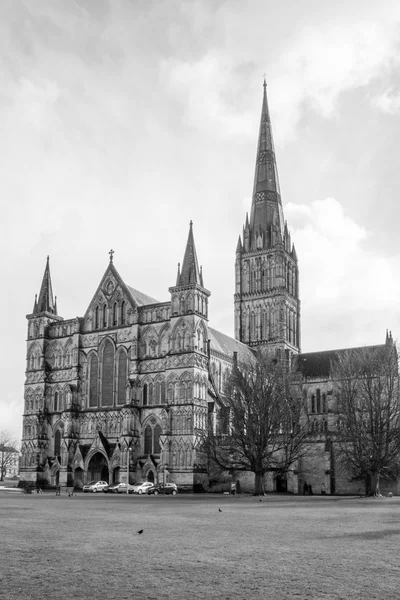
[190,272]
[266,191]
[45,302]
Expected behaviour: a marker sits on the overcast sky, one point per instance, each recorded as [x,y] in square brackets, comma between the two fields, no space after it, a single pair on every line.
[123,120]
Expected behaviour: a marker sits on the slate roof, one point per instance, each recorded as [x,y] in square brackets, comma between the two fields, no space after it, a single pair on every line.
[318,364]
[140,298]
[226,345]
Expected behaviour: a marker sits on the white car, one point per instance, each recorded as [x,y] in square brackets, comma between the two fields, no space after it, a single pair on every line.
[142,487]
[96,486]
[173,485]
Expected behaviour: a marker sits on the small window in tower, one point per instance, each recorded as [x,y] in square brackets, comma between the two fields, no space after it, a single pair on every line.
[313,403]
[145,394]
[96,318]
[115,314]
[123,312]
[318,400]
[163,392]
[104,315]
[324,403]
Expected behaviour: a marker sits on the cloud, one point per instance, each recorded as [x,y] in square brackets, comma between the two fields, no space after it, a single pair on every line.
[388,102]
[341,279]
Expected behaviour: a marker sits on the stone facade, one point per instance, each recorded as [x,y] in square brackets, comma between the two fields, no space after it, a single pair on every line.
[126,390]
[132,378]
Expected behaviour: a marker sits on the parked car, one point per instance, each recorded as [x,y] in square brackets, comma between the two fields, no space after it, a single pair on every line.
[173,485]
[119,488]
[162,489]
[96,486]
[141,488]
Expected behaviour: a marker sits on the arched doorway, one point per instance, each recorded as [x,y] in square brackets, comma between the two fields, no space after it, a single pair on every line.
[98,468]
[150,476]
[281,484]
[78,477]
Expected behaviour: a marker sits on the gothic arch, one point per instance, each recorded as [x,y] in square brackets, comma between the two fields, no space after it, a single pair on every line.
[122,370]
[106,392]
[33,357]
[68,356]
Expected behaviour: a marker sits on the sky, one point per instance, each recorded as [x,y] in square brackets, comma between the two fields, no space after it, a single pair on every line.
[122,120]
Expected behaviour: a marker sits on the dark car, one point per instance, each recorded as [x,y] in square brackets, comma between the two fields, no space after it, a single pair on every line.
[162,489]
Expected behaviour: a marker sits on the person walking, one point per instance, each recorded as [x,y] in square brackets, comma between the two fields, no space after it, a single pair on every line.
[305,488]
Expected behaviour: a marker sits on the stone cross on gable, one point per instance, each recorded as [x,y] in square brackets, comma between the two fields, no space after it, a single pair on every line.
[111,253]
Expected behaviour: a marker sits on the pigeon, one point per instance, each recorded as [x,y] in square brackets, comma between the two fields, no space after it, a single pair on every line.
[140,531]
[219,510]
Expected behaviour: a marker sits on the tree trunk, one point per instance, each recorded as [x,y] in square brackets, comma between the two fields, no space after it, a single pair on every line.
[375,480]
[259,484]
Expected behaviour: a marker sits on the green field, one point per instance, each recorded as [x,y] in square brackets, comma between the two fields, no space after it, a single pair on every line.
[86,546]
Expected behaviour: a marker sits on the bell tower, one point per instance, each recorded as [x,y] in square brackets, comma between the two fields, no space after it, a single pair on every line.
[267,305]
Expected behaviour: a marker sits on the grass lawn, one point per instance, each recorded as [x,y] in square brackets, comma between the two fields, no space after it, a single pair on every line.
[86,546]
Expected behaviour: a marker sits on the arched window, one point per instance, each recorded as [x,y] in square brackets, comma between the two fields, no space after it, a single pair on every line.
[313,403]
[318,400]
[156,439]
[152,440]
[170,392]
[96,318]
[324,403]
[157,394]
[57,444]
[162,392]
[56,402]
[150,393]
[123,312]
[122,377]
[145,394]
[93,380]
[148,440]
[115,314]
[107,382]
[104,315]
[182,392]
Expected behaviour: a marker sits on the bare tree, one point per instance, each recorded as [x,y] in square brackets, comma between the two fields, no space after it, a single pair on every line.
[8,450]
[265,421]
[368,413]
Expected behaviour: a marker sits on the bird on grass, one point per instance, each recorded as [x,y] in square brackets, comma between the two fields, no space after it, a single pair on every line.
[219,510]
[140,531]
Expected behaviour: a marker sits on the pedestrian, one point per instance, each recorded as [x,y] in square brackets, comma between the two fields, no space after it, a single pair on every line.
[305,488]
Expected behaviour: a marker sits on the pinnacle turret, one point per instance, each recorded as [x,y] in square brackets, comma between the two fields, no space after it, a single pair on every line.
[190,272]
[45,302]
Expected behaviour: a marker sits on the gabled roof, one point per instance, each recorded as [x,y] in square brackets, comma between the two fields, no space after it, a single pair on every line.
[318,364]
[134,296]
[140,298]
[226,345]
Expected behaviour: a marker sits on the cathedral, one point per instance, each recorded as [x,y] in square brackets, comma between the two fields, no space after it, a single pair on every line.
[123,392]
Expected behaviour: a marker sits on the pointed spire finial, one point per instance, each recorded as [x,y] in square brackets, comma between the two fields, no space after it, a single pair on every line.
[45,302]
[111,253]
[266,191]
[190,272]
[178,277]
